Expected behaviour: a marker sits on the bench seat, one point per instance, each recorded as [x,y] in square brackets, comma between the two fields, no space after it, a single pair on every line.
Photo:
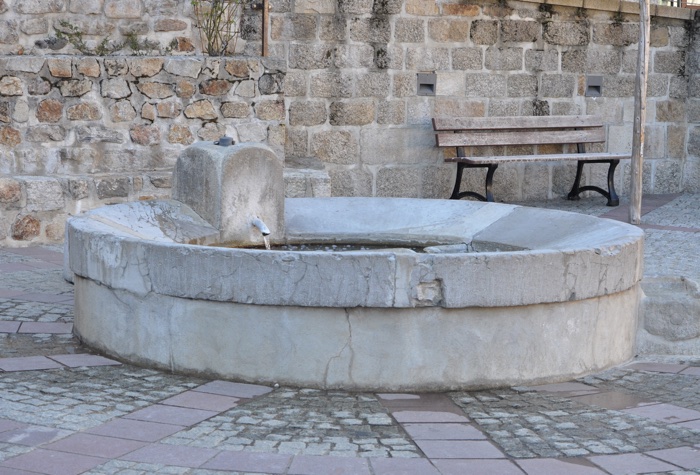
[474,132]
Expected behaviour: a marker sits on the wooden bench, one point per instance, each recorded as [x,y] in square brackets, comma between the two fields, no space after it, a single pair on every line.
[476,132]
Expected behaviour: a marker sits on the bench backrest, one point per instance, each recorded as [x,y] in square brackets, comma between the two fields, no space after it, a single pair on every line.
[537,130]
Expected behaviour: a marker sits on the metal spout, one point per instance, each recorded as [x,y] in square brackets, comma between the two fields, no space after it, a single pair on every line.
[258,223]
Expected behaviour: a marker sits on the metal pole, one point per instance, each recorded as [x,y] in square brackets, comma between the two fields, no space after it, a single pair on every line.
[640,112]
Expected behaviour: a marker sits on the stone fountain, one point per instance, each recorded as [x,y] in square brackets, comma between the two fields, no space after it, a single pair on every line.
[433,295]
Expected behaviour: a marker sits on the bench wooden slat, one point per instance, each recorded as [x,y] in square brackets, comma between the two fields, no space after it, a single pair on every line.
[496,123]
[483,139]
[554,157]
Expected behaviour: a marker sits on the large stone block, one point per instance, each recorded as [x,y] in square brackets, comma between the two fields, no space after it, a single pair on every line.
[10,192]
[391,112]
[353,56]
[307,113]
[591,61]
[183,67]
[446,30]
[60,67]
[427,58]
[465,59]
[84,111]
[409,30]
[539,60]
[123,111]
[202,109]
[486,85]
[668,176]
[504,59]
[484,32]
[123,9]
[616,34]
[555,85]
[75,87]
[566,33]
[351,182]
[376,29]
[297,27]
[458,107]
[399,182]
[10,86]
[310,56]
[46,133]
[450,84]
[422,7]
[522,85]
[180,134]
[332,84]
[26,228]
[355,6]
[673,62]
[315,6]
[335,146]
[387,146]
[43,194]
[353,112]
[37,7]
[388,57]
[373,84]
[675,144]
[113,187]
[35,26]
[520,31]
[332,28]
[9,32]
[49,110]
[26,64]
[296,142]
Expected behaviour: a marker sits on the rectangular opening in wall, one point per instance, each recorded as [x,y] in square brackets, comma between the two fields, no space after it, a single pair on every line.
[426,84]
[594,86]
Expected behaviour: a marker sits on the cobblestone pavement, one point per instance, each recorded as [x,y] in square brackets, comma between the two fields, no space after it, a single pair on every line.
[66,410]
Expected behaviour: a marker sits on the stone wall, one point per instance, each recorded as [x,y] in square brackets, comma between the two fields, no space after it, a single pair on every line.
[352,97]
[338,90]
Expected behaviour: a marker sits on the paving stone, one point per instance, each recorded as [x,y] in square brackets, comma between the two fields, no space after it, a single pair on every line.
[95,445]
[52,462]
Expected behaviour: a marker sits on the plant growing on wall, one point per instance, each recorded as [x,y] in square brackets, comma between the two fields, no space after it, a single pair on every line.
[218,24]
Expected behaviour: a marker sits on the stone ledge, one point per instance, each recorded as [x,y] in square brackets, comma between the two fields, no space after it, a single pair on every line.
[622,6]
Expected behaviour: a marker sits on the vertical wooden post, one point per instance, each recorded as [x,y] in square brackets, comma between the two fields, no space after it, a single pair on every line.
[265,25]
[640,112]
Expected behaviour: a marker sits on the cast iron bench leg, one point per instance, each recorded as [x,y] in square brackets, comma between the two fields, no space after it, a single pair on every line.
[613,199]
[457,195]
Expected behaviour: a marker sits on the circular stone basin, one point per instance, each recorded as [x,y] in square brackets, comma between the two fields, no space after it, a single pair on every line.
[548,295]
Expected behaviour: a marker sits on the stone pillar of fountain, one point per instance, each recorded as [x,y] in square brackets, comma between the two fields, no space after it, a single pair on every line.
[230,186]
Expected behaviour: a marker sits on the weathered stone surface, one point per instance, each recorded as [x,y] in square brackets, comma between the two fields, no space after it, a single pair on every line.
[123,8]
[145,67]
[46,133]
[43,194]
[183,45]
[270,110]
[486,85]
[309,56]
[522,85]
[409,30]
[237,68]
[122,111]
[297,27]
[183,67]
[673,62]
[34,26]
[35,7]
[116,88]
[373,84]
[75,87]
[145,134]
[670,111]
[484,32]
[211,131]
[156,90]
[10,136]
[391,112]
[251,132]
[518,31]
[404,85]
[26,228]
[236,110]
[356,112]
[616,34]
[422,7]
[202,109]
[180,134]
[5,112]
[566,33]
[354,56]
[162,7]
[78,188]
[9,32]
[448,30]
[457,9]
[464,59]
[314,6]
[246,89]
[49,110]
[427,59]
[388,57]
[21,111]
[307,113]
[84,111]
[536,60]
[335,146]
[556,85]
[271,83]
[60,67]
[96,134]
[116,187]
[185,89]
[138,28]
[504,59]
[25,64]
[116,67]
[149,112]
[10,86]
[215,87]
[10,191]
[3,6]
[88,67]
[169,24]
[86,7]
[169,109]
[331,84]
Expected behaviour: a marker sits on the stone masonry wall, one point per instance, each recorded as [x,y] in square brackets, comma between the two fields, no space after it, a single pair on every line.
[352,99]
[338,90]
